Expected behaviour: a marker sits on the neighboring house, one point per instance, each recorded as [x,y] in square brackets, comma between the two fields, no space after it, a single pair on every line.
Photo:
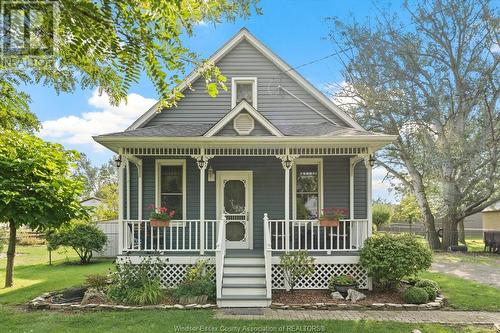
[91,202]
[248,173]
[491,217]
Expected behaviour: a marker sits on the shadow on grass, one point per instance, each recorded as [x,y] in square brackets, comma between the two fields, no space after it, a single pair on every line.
[31,281]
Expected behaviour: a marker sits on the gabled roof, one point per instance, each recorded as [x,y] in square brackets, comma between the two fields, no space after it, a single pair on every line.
[243,106]
[244,34]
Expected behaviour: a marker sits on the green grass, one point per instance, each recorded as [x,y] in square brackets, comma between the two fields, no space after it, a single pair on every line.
[166,321]
[465,294]
[33,276]
[471,257]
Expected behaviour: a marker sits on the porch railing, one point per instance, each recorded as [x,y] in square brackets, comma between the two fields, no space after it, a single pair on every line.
[349,235]
[220,253]
[179,236]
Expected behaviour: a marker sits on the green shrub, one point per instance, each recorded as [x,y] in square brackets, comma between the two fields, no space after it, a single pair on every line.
[341,280]
[388,258]
[295,265]
[97,281]
[195,288]
[82,237]
[427,283]
[149,292]
[431,292]
[198,282]
[136,284]
[415,295]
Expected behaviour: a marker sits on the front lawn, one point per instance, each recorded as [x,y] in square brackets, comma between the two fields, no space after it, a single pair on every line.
[465,294]
[33,276]
[180,321]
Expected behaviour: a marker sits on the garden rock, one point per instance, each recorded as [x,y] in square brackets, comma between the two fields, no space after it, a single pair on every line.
[93,296]
[354,295]
[336,295]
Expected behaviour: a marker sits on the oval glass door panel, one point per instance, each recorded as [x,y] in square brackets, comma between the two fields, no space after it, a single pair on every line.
[234,197]
[235,210]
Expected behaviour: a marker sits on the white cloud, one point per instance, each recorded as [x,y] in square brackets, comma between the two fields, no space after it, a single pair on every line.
[105,118]
[381,187]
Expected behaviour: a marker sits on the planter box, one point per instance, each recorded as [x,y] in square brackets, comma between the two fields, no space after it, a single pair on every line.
[159,223]
[344,288]
[184,300]
[329,223]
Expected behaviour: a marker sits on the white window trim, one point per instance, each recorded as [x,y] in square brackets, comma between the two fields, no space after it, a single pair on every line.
[174,162]
[307,161]
[244,79]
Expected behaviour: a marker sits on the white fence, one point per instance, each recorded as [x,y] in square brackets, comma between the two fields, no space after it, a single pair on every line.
[110,228]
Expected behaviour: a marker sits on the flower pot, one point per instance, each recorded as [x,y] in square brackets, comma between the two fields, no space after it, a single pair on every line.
[329,223]
[344,288]
[159,223]
[201,299]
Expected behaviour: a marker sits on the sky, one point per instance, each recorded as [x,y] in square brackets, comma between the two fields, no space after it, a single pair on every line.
[296,30]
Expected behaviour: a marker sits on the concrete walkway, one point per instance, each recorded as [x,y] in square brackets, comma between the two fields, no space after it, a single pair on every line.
[435,316]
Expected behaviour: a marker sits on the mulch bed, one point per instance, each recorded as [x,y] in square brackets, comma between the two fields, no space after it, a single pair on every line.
[323,296]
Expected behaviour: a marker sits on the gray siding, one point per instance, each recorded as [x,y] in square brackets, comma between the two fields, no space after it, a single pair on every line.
[360,191]
[278,107]
[268,188]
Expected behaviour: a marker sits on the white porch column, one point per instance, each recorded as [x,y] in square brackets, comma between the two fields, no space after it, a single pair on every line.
[128,188]
[202,162]
[287,163]
[120,208]
[369,203]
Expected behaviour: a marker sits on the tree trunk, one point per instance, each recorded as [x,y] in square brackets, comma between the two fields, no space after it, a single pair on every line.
[450,233]
[461,232]
[11,252]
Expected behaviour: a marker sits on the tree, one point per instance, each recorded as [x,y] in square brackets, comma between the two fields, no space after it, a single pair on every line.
[95,178]
[110,43]
[82,237]
[381,214]
[435,84]
[36,187]
[108,210]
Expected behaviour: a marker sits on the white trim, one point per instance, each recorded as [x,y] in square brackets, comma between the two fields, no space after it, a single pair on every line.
[329,259]
[243,105]
[243,79]
[169,260]
[236,174]
[174,162]
[307,161]
[241,131]
[120,206]
[244,34]
[128,188]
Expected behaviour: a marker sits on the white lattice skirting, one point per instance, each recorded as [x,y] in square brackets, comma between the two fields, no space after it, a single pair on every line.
[173,274]
[322,274]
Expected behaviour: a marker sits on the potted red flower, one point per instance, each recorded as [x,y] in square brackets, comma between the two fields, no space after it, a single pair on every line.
[160,216]
[331,216]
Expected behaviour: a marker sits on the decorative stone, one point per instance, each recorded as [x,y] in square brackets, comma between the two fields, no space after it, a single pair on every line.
[189,306]
[206,306]
[378,305]
[416,331]
[178,306]
[434,304]
[355,295]
[336,295]
[93,295]
[410,306]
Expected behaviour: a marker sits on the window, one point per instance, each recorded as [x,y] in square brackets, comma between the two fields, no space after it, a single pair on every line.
[244,88]
[171,186]
[307,185]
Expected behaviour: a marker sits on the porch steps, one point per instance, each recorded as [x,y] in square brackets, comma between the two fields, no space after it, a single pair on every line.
[244,281]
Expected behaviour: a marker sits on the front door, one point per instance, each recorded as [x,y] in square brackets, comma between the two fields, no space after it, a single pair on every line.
[234,199]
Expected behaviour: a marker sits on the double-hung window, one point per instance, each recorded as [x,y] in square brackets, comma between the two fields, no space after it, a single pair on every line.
[307,186]
[171,186]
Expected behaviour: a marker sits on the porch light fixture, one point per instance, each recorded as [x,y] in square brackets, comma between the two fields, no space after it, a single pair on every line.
[371,160]
[211,174]
[201,163]
[118,160]
[288,162]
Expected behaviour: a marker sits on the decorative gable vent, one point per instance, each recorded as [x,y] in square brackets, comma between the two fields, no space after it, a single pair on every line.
[243,124]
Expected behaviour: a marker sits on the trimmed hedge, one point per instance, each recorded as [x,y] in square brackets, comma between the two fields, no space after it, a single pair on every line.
[415,295]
